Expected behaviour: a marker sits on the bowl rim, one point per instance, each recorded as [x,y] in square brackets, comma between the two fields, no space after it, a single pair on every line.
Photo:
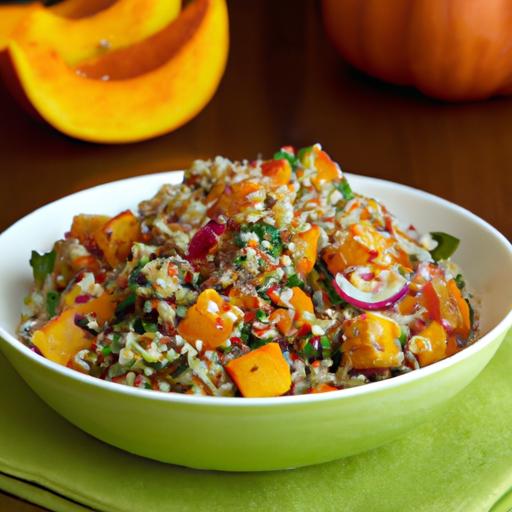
[291,400]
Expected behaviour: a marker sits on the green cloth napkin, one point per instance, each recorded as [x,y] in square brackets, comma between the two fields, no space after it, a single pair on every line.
[461,461]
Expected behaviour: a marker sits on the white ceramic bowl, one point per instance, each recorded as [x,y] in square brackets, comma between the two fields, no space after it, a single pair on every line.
[260,433]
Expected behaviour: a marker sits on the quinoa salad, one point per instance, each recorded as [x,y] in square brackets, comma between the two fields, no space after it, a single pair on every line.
[254,278]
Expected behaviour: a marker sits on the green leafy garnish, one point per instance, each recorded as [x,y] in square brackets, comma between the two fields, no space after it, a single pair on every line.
[52,302]
[302,153]
[264,232]
[116,343]
[124,306]
[106,351]
[245,332]
[261,316]
[446,245]
[325,343]
[292,159]
[294,280]
[42,265]
[459,281]
[403,338]
[345,189]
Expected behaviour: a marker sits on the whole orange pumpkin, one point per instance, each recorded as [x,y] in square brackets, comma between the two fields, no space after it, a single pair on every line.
[449,49]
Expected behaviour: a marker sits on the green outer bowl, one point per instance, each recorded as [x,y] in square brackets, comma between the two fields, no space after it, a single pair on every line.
[239,434]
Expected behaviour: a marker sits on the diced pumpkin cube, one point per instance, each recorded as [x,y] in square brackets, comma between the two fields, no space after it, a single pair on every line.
[306,247]
[117,236]
[85,226]
[234,199]
[445,305]
[282,319]
[237,298]
[463,327]
[210,319]
[303,306]
[407,305]
[363,244]
[60,339]
[326,169]
[103,306]
[279,171]
[262,372]
[372,341]
[429,346]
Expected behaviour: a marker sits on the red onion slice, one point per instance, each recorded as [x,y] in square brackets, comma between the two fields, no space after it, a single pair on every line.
[381,299]
[204,239]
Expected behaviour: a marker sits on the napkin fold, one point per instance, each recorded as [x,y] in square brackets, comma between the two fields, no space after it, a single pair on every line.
[459,461]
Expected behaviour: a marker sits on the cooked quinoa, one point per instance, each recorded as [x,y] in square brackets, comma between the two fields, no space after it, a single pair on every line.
[253,278]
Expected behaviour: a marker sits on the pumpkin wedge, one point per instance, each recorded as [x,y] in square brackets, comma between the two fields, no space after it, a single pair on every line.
[154,86]
[122,24]
[12,14]
[80,8]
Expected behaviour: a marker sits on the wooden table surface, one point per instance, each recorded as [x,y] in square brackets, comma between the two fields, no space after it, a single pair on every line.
[284,84]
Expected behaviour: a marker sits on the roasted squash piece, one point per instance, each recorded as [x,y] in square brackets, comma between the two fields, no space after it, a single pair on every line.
[84,227]
[303,306]
[306,247]
[234,199]
[122,24]
[117,236]
[371,341]
[282,319]
[210,320]
[262,372]
[103,306]
[60,339]
[279,171]
[429,346]
[363,244]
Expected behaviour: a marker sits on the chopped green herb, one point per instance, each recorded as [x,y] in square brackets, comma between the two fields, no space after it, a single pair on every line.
[245,332]
[239,260]
[106,351]
[325,343]
[459,281]
[446,245]
[264,232]
[257,342]
[344,187]
[302,153]
[124,306]
[294,280]
[52,302]
[292,159]
[149,326]
[402,338]
[261,315]
[42,265]
[115,346]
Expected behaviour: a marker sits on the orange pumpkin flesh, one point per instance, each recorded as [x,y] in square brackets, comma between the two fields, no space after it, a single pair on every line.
[124,23]
[448,49]
[166,79]
[74,9]
[10,16]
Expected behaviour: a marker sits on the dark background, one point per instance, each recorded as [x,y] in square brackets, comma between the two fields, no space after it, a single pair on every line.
[284,84]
